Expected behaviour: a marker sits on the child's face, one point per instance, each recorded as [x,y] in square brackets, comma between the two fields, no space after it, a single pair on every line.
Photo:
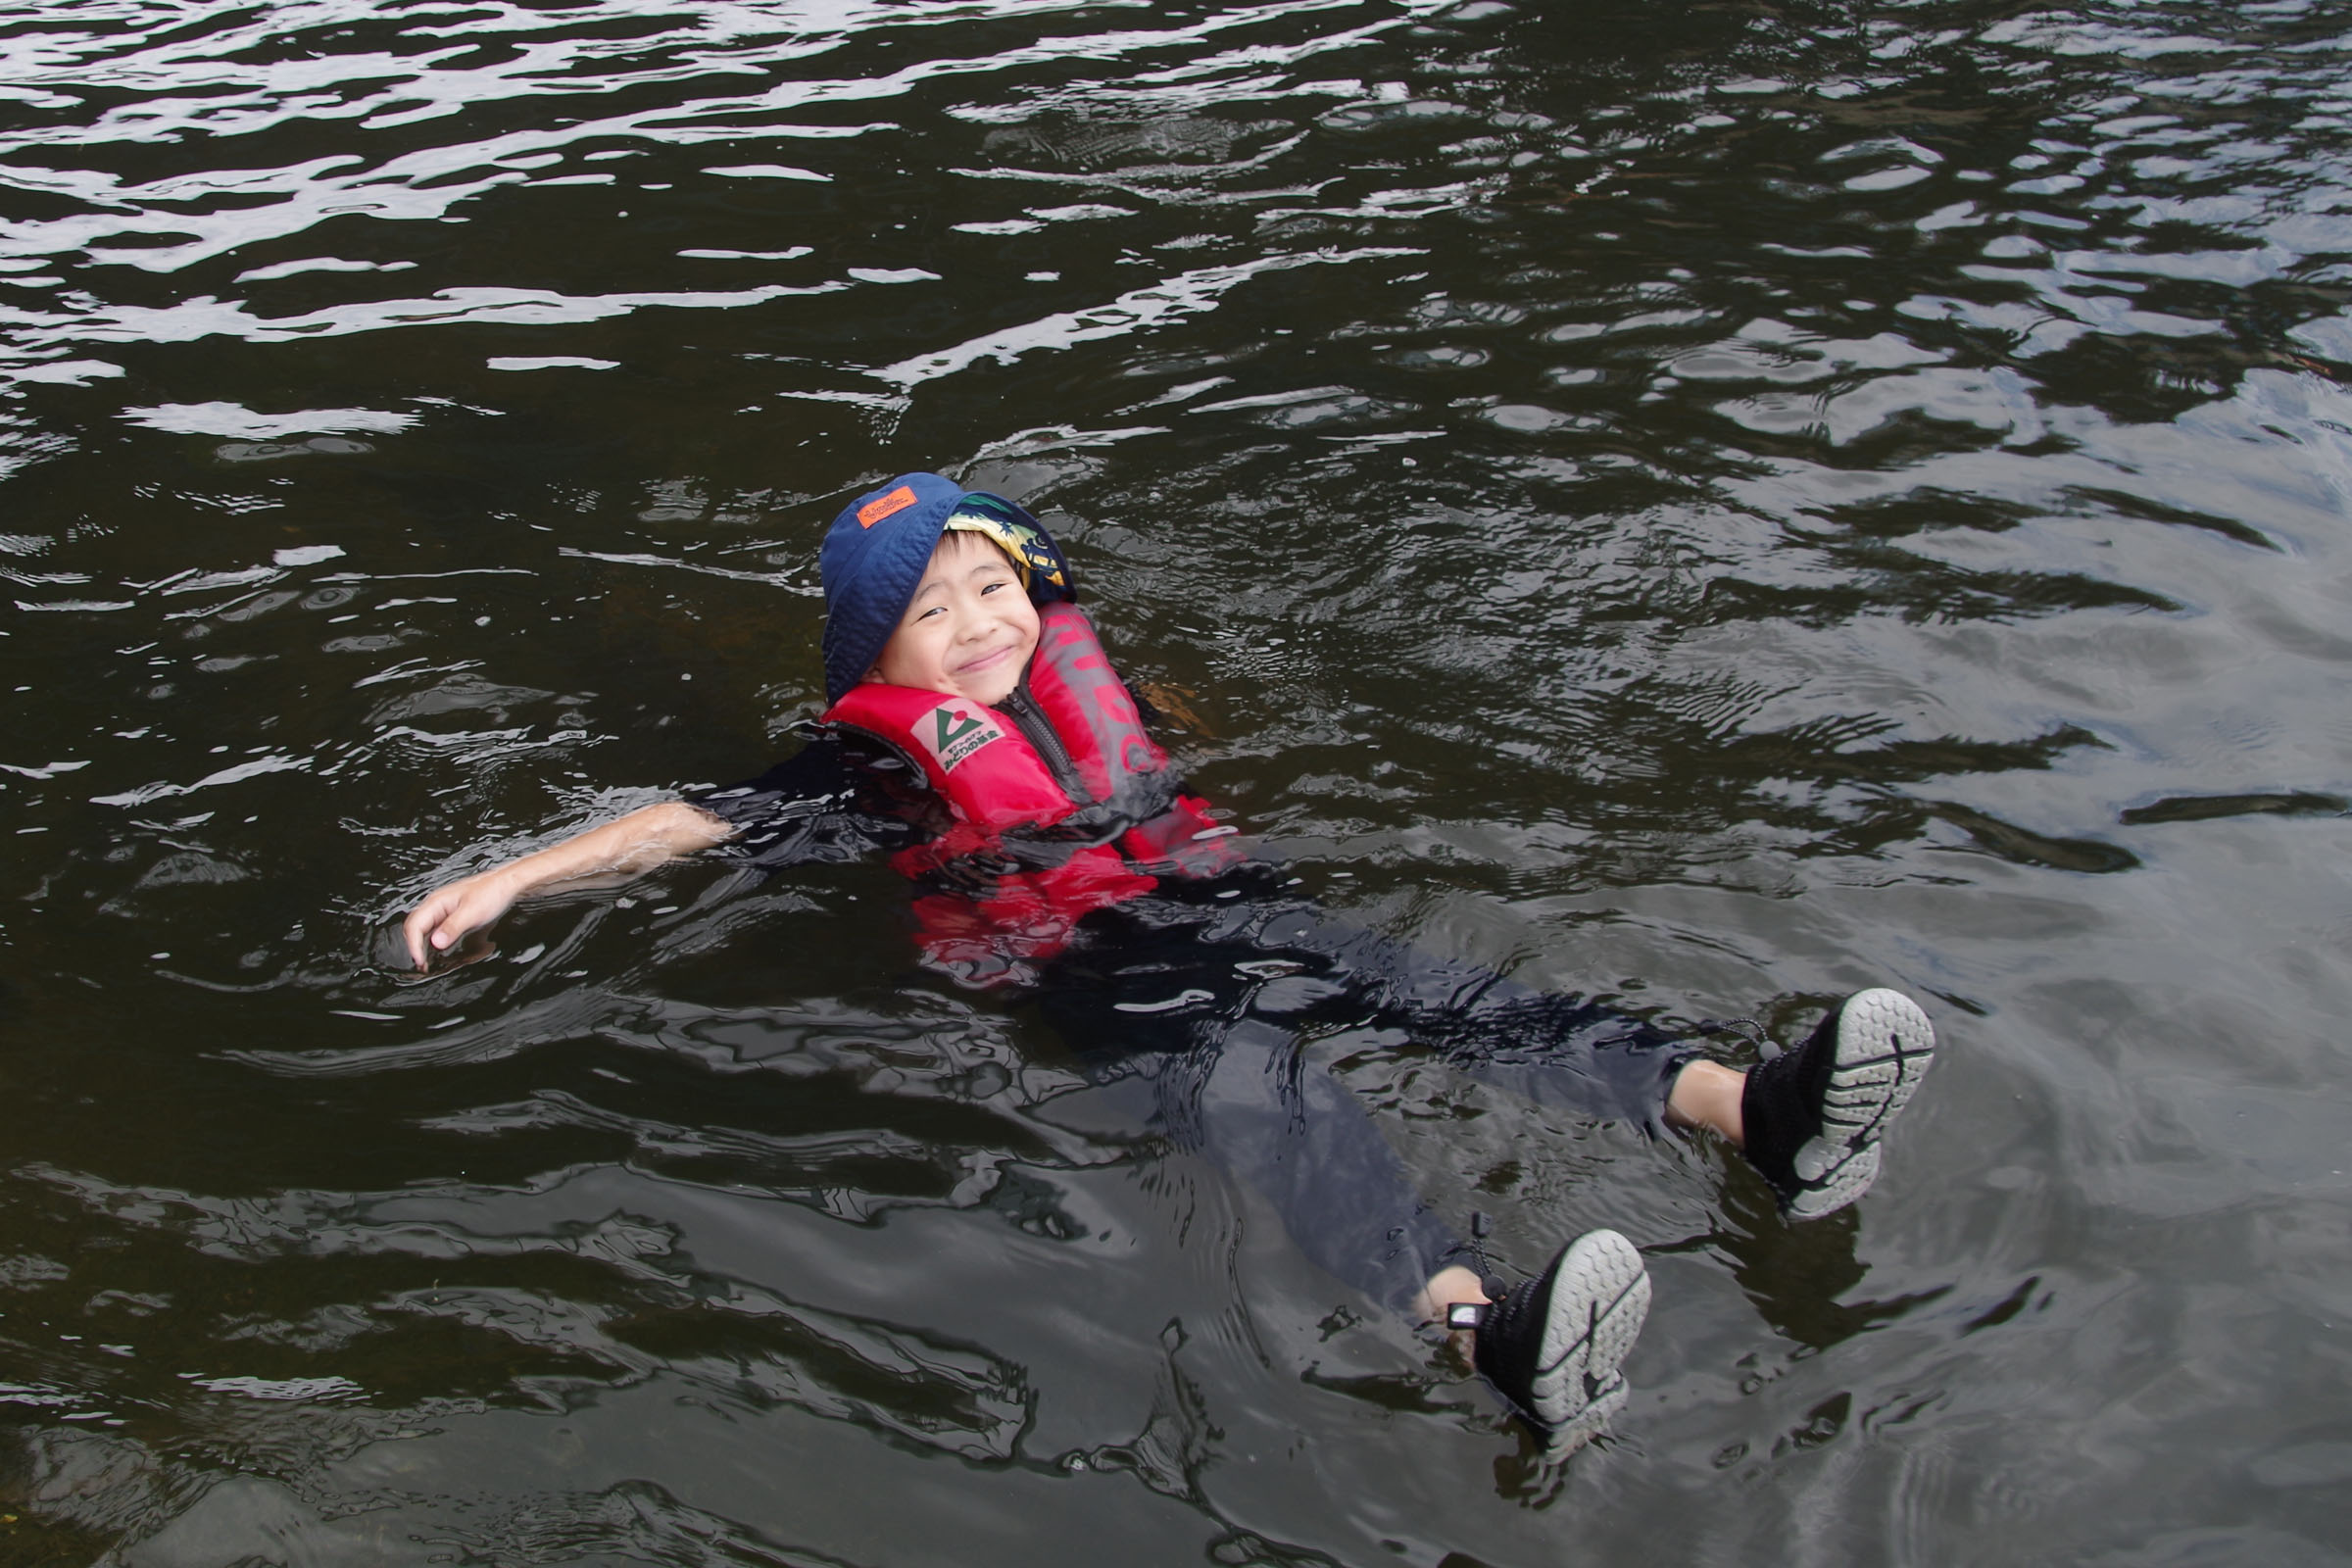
[969,629]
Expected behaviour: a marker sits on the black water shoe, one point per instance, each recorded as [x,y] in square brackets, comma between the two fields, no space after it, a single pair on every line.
[1813,1116]
[1552,1344]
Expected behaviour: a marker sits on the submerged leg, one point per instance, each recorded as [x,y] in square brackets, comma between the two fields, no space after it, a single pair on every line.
[1551,1346]
[1296,1135]
[1566,1052]
[1221,1013]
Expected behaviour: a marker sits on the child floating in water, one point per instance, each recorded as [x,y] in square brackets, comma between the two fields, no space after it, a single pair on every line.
[979,736]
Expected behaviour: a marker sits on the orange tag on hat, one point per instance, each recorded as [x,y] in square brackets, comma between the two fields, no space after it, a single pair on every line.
[881,507]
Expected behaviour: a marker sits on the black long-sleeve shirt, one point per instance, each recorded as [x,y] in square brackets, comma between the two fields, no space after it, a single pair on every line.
[836,798]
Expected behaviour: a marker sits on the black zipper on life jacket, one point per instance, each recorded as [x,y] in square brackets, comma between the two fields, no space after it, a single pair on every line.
[1030,719]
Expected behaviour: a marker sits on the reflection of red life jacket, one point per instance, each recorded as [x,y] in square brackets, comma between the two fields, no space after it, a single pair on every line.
[1061,802]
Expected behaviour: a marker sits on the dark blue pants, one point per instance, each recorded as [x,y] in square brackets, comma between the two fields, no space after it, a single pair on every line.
[1206,988]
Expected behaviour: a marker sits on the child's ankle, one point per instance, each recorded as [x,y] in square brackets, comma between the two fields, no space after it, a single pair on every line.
[1447,1288]
[1707,1093]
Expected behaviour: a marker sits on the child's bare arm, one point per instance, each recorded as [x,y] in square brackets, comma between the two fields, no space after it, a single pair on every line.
[638,842]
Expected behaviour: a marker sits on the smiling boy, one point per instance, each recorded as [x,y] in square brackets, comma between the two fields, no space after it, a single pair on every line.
[977,733]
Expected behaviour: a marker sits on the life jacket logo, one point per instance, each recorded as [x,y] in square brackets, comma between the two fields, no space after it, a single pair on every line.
[881,507]
[956,730]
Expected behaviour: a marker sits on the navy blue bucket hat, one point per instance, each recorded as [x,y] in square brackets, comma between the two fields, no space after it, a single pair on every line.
[875,554]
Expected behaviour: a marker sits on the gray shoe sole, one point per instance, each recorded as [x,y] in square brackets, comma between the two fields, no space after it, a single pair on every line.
[1885,1043]
[1598,1299]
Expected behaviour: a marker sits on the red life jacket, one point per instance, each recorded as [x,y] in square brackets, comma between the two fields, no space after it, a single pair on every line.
[1060,802]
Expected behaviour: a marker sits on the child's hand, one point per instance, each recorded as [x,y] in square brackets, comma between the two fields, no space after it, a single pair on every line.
[449,913]
[1174,704]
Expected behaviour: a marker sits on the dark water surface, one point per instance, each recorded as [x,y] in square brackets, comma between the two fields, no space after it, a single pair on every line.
[1714,504]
